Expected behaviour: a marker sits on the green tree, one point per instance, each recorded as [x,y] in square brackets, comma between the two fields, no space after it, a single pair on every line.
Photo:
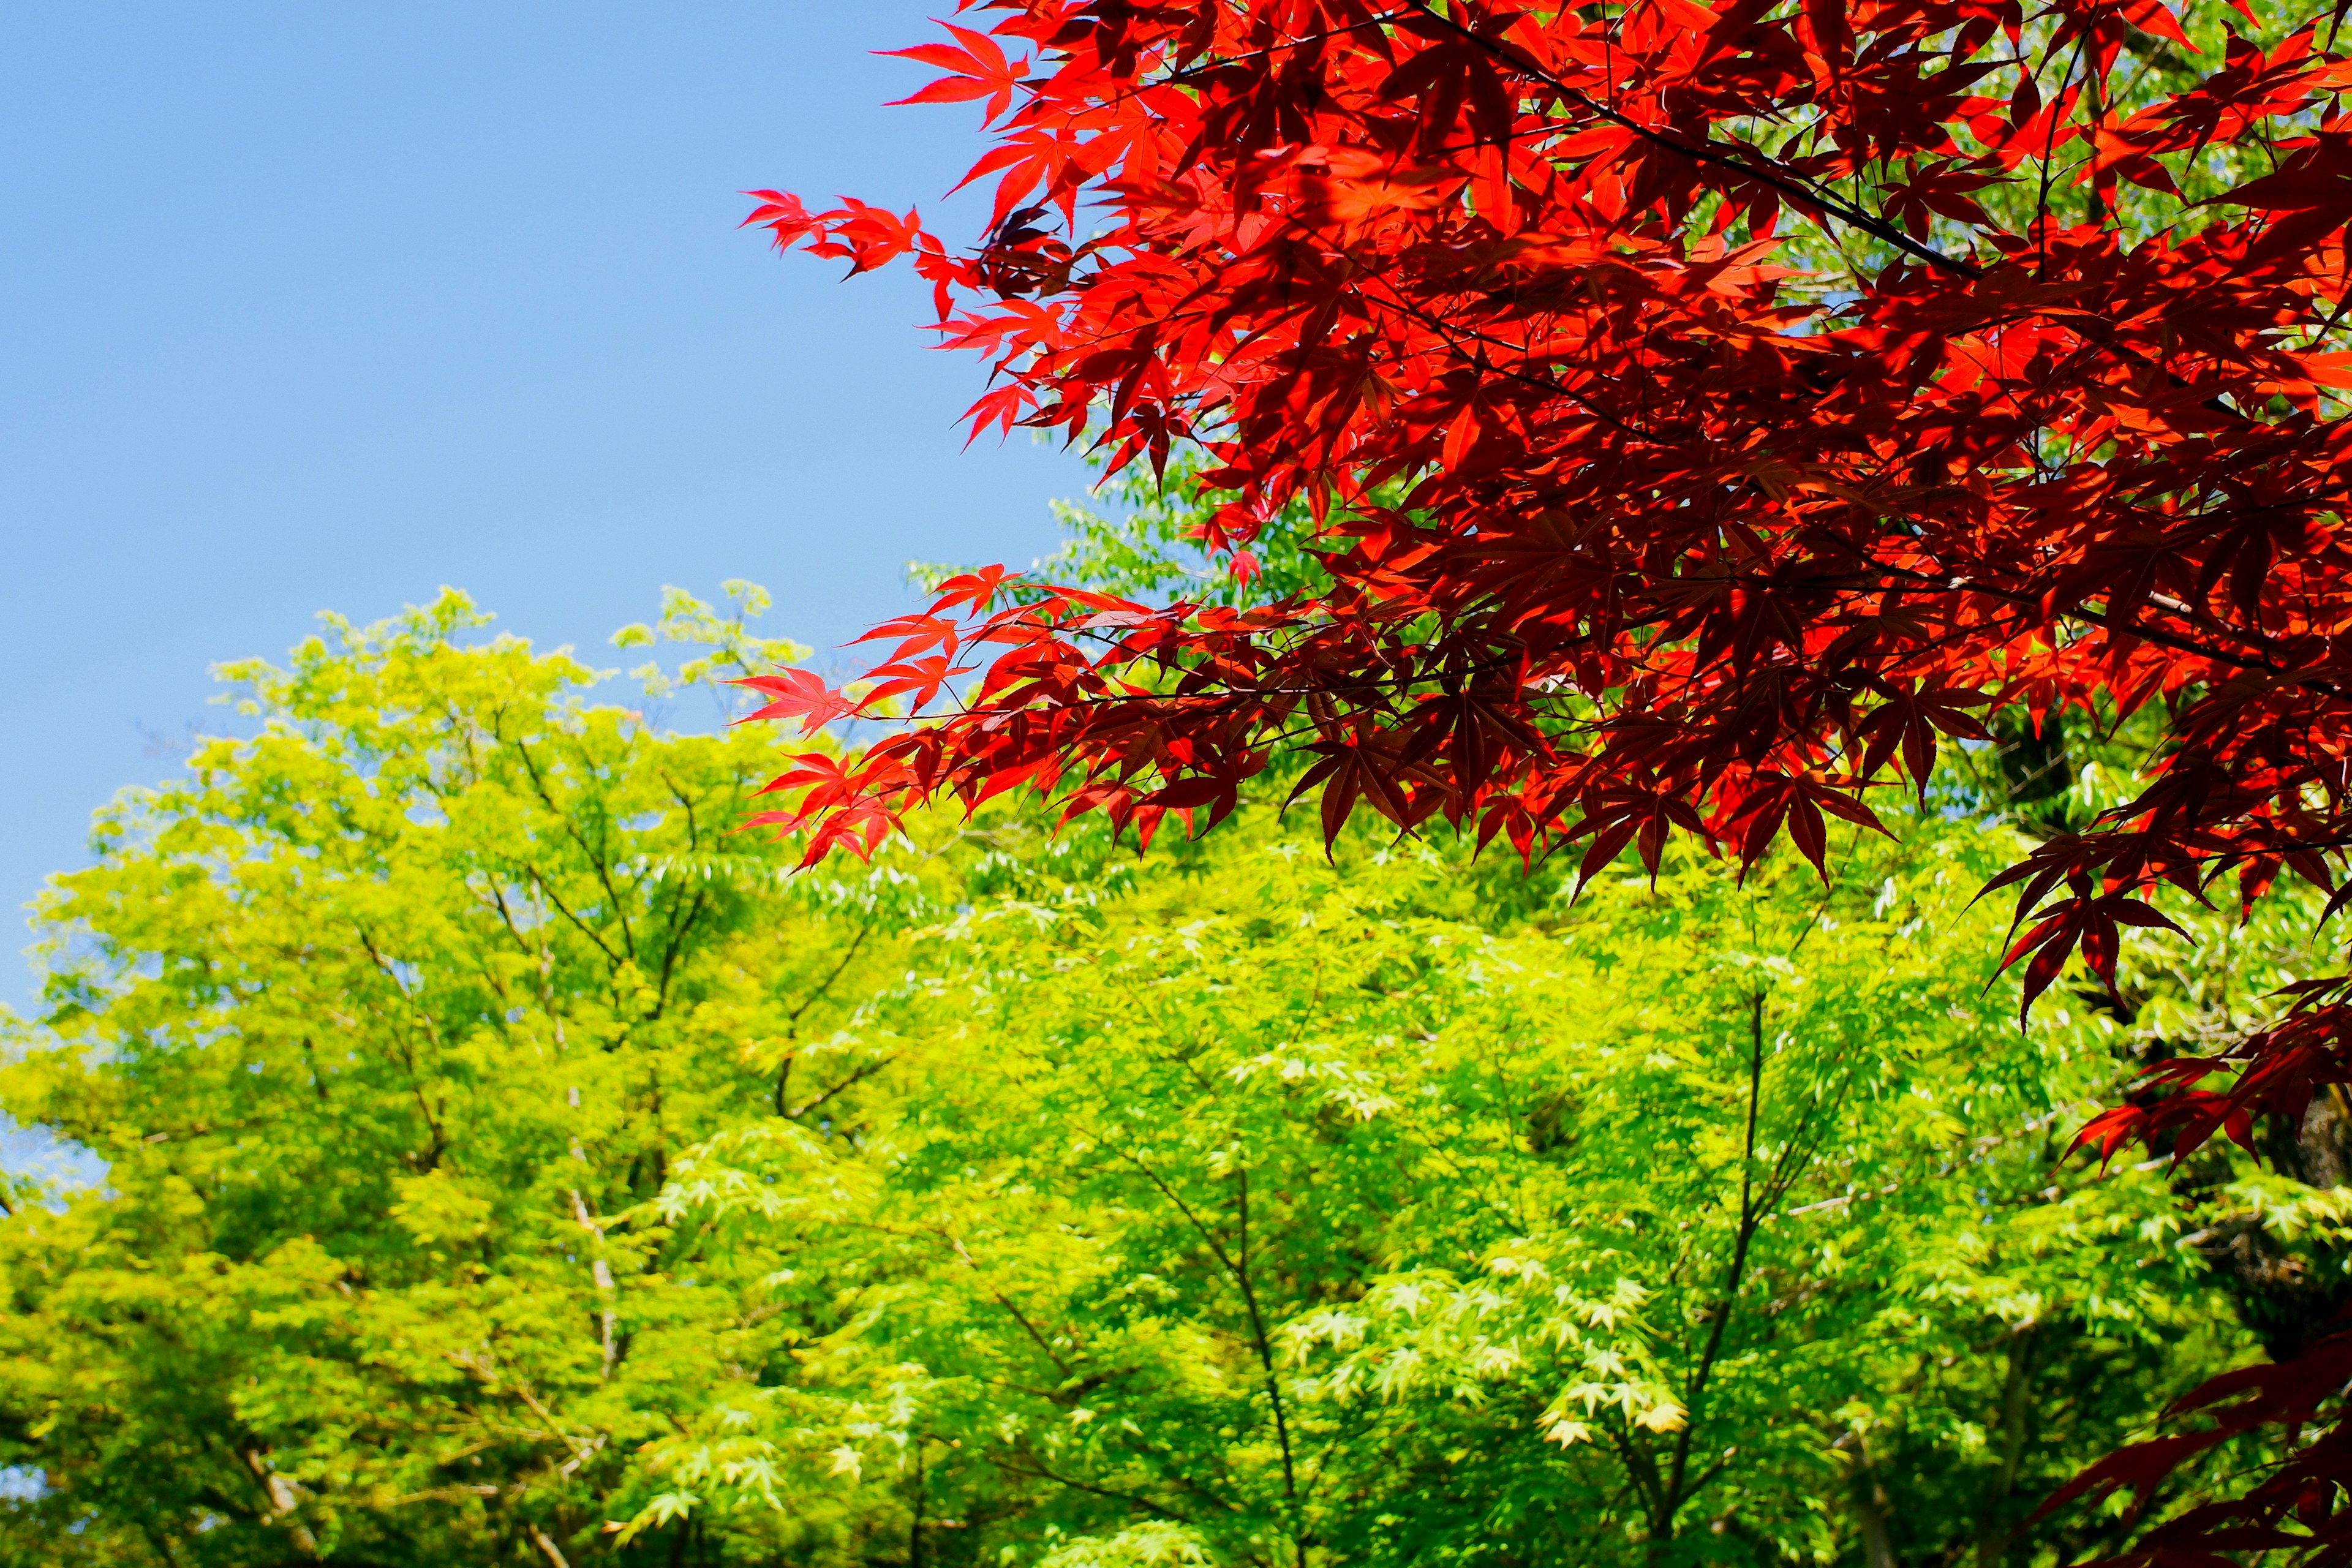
[389,1022]
[509,1162]
[1275,1212]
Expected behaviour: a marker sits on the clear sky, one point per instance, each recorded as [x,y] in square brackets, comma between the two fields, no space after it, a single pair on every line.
[308,307]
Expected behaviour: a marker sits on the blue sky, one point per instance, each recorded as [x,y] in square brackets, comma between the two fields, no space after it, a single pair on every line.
[309,307]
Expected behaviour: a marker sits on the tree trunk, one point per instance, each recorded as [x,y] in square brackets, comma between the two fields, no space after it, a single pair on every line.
[1993,1528]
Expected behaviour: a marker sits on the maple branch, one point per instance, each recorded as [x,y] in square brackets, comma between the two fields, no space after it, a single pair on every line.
[1264,1347]
[793,1019]
[1641,1469]
[1801,192]
[1206,64]
[1027,1327]
[1671,1494]
[595,857]
[2106,622]
[1265,1362]
[1038,1472]
[547,891]
[1993,1538]
[854,1078]
[673,947]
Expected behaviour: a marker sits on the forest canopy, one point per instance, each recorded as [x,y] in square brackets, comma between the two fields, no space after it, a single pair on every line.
[509,1162]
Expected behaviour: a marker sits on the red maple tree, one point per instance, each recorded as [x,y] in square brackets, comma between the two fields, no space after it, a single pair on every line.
[1700,411]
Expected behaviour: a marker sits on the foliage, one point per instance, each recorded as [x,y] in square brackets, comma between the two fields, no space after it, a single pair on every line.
[509,1162]
[1638,518]
[1702,414]
[390,1023]
[1409,1213]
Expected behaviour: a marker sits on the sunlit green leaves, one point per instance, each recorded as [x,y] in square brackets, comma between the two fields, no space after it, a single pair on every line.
[505,1156]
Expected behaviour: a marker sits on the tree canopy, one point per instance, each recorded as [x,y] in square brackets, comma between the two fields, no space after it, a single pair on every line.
[508,1162]
[389,1022]
[1697,416]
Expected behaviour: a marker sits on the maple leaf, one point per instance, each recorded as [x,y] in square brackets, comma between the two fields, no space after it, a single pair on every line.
[796,694]
[979,67]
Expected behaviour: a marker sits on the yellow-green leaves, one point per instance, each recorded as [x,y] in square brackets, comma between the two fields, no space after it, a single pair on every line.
[1401,1211]
[507,1161]
[391,1023]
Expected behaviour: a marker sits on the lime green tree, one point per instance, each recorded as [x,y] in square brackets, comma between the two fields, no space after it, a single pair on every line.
[1245,1208]
[388,1023]
[507,1162]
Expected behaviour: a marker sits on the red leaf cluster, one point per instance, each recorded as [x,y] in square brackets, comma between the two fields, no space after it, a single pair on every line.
[1635,525]
[2301,1506]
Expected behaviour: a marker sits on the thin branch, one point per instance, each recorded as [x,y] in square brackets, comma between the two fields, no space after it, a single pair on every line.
[854,1078]
[1673,1493]
[1798,190]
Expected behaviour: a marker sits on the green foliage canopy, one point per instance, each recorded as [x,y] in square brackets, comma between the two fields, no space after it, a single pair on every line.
[389,1022]
[507,1163]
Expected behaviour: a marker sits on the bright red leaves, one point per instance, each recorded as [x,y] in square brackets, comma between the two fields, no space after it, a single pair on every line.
[1639,521]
